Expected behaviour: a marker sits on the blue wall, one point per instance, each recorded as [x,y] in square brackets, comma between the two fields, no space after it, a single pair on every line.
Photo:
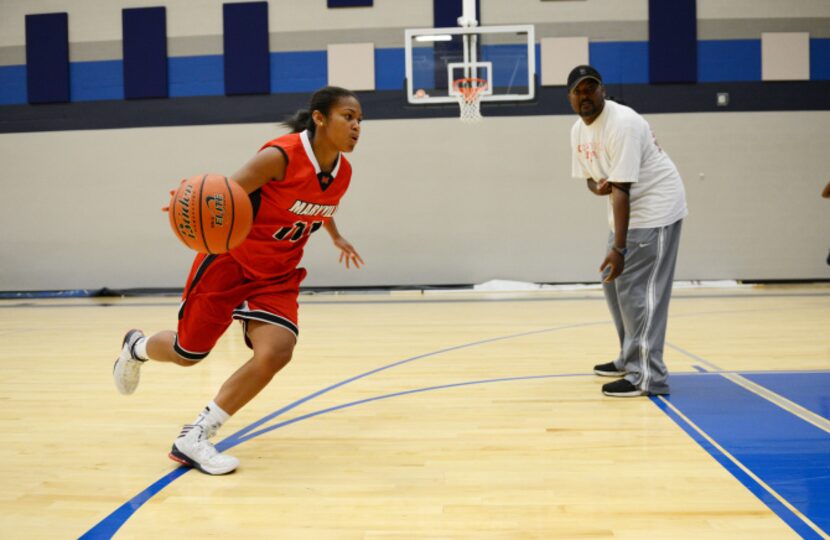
[304,71]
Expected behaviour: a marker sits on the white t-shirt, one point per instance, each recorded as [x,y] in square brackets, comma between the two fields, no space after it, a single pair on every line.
[620,147]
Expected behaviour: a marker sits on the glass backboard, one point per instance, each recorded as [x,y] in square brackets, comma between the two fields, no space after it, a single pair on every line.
[504,56]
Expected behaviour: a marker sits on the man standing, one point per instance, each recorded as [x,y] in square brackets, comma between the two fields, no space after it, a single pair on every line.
[614,149]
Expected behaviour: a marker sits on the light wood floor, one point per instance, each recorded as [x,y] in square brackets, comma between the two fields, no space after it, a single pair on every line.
[529,448]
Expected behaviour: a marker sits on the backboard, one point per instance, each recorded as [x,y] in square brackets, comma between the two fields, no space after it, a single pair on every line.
[504,56]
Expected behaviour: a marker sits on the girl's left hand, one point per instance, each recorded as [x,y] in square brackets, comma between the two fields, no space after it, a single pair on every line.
[348,253]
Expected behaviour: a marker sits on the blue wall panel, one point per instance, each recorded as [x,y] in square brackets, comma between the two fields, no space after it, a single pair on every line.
[672,34]
[389,69]
[95,81]
[303,71]
[47,58]
[12,85]
[729,60]
[820,59]
[247,65]
[509,66]
[145,52]
[423,67]
[620,61]
[445,13]
[196,76]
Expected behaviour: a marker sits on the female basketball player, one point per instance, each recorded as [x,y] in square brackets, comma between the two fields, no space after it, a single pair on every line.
[295,183]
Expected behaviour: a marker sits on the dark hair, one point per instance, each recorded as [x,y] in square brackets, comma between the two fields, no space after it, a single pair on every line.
[321,100]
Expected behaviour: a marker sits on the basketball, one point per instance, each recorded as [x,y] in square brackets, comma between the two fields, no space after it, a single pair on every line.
[210,213]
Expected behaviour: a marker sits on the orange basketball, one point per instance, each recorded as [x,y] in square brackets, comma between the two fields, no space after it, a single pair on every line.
[210,213]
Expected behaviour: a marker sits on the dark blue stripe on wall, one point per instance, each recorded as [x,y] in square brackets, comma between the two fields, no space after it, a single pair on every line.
[145,52]
[729,60]
[47,57]
[445,13]
[12,85]
[672,35]
[247,63]
[302,71]
[820,59]
[349,3]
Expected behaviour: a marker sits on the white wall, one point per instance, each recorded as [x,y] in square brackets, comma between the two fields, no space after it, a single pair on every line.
[535,12]
[751,9]
[432,201]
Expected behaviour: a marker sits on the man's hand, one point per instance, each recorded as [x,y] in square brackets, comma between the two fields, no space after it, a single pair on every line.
[616,262]
[601,187]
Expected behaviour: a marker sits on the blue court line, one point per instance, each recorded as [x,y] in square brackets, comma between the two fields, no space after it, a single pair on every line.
[110,525]
[788,457]
[242,432]
[107,527]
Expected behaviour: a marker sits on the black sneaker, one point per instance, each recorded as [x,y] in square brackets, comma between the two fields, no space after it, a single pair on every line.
[622,388]
[608,370]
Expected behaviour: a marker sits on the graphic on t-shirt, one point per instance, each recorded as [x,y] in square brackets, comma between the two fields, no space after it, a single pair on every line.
[589,150]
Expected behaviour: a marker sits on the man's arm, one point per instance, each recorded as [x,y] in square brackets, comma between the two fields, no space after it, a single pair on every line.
[826,192]
[615,259]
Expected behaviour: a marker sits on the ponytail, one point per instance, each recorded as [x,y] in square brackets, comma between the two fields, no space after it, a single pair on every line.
[300,121]
[321,100]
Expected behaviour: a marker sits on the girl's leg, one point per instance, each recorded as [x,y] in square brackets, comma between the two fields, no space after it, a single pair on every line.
[273,346]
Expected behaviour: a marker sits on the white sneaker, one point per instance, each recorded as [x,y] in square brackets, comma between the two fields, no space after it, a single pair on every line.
[126,369]
[193,449]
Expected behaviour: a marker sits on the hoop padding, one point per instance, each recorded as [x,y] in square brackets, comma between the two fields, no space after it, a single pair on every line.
[469,97]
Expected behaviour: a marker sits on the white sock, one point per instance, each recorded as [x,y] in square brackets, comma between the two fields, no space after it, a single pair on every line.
[140,349]
[211,418]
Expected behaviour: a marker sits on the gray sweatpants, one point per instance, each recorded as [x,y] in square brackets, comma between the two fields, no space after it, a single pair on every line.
[639,303]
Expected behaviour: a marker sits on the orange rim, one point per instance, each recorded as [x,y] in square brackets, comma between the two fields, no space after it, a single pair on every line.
[469,87]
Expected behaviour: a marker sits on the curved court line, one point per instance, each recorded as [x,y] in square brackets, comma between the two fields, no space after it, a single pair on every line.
[365,374]
[107,527]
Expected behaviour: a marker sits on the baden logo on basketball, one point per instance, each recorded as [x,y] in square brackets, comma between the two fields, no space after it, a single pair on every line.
[184,220]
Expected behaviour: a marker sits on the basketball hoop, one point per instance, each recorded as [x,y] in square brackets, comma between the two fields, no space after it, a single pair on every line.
[469,92]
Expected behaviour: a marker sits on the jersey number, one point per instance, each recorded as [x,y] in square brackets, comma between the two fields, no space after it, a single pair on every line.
[296,231]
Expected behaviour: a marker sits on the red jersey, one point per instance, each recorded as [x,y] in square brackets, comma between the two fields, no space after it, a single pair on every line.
[287,211]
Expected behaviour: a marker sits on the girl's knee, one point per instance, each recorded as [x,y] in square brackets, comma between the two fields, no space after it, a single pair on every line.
[274,358]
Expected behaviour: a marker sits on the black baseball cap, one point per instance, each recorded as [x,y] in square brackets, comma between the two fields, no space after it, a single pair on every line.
[580,73]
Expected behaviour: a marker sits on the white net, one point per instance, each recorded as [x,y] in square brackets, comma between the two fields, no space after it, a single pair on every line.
[469,98]
[470,110]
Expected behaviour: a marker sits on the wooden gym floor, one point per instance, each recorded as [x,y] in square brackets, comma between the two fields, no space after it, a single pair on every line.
[437,415]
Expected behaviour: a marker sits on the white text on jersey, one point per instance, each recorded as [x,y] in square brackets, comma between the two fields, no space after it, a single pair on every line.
[302,208]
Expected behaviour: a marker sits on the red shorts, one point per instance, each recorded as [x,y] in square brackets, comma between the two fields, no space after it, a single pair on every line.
[217,292]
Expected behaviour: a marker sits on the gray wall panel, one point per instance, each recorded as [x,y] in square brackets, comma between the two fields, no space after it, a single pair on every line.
[432,201]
